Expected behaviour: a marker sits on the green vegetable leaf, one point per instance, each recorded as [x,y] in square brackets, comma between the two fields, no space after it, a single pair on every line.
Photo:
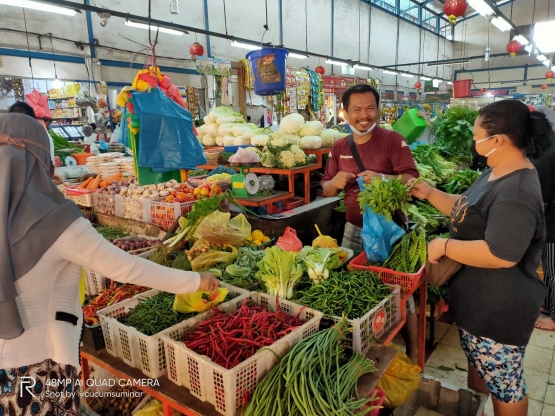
[443,368]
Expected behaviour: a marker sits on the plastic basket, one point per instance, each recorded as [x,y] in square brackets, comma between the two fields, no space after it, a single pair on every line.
[368,329]
[80,196]
[408,281]
[164,214]
[225,388]
[212,157]
[144,254]
[137,209]
[94,282]
[225,184]
[107,204]
[133,347]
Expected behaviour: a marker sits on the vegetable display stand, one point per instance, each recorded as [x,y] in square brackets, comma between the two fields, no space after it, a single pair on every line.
[409,283]
[174,397]
[265,201]
[290,173]
[224,388]
[375,323]
[319,154]
[133,347]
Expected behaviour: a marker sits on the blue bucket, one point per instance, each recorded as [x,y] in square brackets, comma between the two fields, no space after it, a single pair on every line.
[268,68]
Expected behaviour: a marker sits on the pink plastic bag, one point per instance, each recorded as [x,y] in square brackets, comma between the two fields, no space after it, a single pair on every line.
[40,104]
[289,241]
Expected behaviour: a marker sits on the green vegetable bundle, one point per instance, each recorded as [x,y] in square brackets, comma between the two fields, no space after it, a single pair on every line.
[279,271]
[430,156]
[314,378]
[461,181]
[319,262]
[409,254]
[384,197]
[60,143]
[241,272]
[453,130]
[110,233]
[426,216]
[349,294]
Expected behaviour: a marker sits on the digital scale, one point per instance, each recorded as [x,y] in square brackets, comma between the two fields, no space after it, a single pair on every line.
[245,183]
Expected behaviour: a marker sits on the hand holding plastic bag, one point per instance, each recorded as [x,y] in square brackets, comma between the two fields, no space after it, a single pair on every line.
[400,380]
[199,301]
[378,234]
[218,228]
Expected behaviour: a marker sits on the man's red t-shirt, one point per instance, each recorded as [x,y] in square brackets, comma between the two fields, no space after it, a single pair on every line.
[386,152]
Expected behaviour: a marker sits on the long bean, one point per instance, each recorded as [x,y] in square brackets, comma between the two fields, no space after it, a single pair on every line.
[351,294]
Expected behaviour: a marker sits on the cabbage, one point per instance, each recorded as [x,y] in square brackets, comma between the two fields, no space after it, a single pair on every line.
[239,129]
[228,140]
[208,140]
[253,126]
[240,141]
[310,142]
[219,141]
[226,129]
[260,140]
[286,160]
[249,134]
[202,130]
[312,128]
[291,138]
[209,119]
[268,160]
[330,136]
[212,130]
[291,124]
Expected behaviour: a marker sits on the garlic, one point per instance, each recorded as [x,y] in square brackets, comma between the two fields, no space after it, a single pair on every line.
[163,193]
[161,187]
[146,193]
[152,187]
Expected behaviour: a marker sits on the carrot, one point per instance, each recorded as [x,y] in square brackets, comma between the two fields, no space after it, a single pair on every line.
[116,176]
[95,183]
[104,184]
[86,183]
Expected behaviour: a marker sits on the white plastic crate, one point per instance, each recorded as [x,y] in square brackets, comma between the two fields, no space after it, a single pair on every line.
[144,254]
[164,214]
[222,387]
[369,328]
[80,196]
[133,347]
[94,282]
[107,204]
[137,209]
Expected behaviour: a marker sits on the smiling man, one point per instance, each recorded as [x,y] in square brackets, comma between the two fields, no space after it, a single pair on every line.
[380,152]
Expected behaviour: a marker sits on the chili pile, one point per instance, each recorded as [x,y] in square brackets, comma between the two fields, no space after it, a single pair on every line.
[350,294]
[231,338]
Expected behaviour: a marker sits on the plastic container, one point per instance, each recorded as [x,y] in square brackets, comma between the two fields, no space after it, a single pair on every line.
[291,203]
[224,388]
[107,204]
[461,88]
[164,214]
[137,209]
[410,126]
[81,158]
[212,157]
[94,282]
[408,281]
[80,196]
[234,149]
[375,323]
[268,68]
[133,347]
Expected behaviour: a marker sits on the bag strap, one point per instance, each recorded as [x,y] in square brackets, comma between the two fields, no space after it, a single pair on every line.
[355,154]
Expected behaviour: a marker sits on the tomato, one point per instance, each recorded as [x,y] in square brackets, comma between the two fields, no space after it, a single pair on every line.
[207,187]
[204,192]
[211,194]
[188,198]
[169,198]
[181,195]
[197,190]
[183,186]
[216,188]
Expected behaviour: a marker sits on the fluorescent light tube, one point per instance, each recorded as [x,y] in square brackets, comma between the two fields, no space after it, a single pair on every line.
[386,71]
[426,78]
[332,62]
[407,75]
[245,46]
[452,62]
[297,55]
[364,67]
[449,82]
[481,7]
[153,28]
[35,5]
[501,24]
[543,36]
[522,40]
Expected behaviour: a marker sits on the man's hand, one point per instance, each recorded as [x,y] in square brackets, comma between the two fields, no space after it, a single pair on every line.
[341,180]
[368,175]
[436,250]
[423,114]
[208,283]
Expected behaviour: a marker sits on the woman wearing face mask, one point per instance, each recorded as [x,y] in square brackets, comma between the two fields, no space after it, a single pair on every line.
[497,234]
[45,242]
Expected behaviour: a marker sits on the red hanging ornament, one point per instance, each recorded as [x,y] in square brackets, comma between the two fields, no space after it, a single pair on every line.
[484,90]
[513,47]
[196,49]
[320,70]
[417,85]
[544,86]
[454,9]
[549,74]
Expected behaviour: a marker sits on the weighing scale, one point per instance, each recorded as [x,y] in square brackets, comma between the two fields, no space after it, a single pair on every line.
[245,183]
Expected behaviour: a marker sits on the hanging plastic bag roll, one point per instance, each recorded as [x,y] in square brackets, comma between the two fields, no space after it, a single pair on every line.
[378,235]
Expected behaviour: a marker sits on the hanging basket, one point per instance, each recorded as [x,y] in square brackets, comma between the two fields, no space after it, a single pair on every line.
[268,67]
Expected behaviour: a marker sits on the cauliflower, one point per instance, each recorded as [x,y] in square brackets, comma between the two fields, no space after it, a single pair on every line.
[312,128]
[291,124]
[278,145]
[268,159]
[259,140]
[286,160]
[254,150]
[310,142]
[300,156]
[330,136]
[208,140]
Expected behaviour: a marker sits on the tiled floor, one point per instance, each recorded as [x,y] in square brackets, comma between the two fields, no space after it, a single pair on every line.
[539,367]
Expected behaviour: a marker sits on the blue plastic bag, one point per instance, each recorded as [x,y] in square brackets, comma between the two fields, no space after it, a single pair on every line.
[378,235]
[167,139]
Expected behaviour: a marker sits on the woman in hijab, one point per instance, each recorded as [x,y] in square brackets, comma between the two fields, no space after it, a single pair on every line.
[546,172]
[44,242]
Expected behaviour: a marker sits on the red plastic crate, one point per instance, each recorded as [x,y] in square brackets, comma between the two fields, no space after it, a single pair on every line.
[409,282]
[292,203]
